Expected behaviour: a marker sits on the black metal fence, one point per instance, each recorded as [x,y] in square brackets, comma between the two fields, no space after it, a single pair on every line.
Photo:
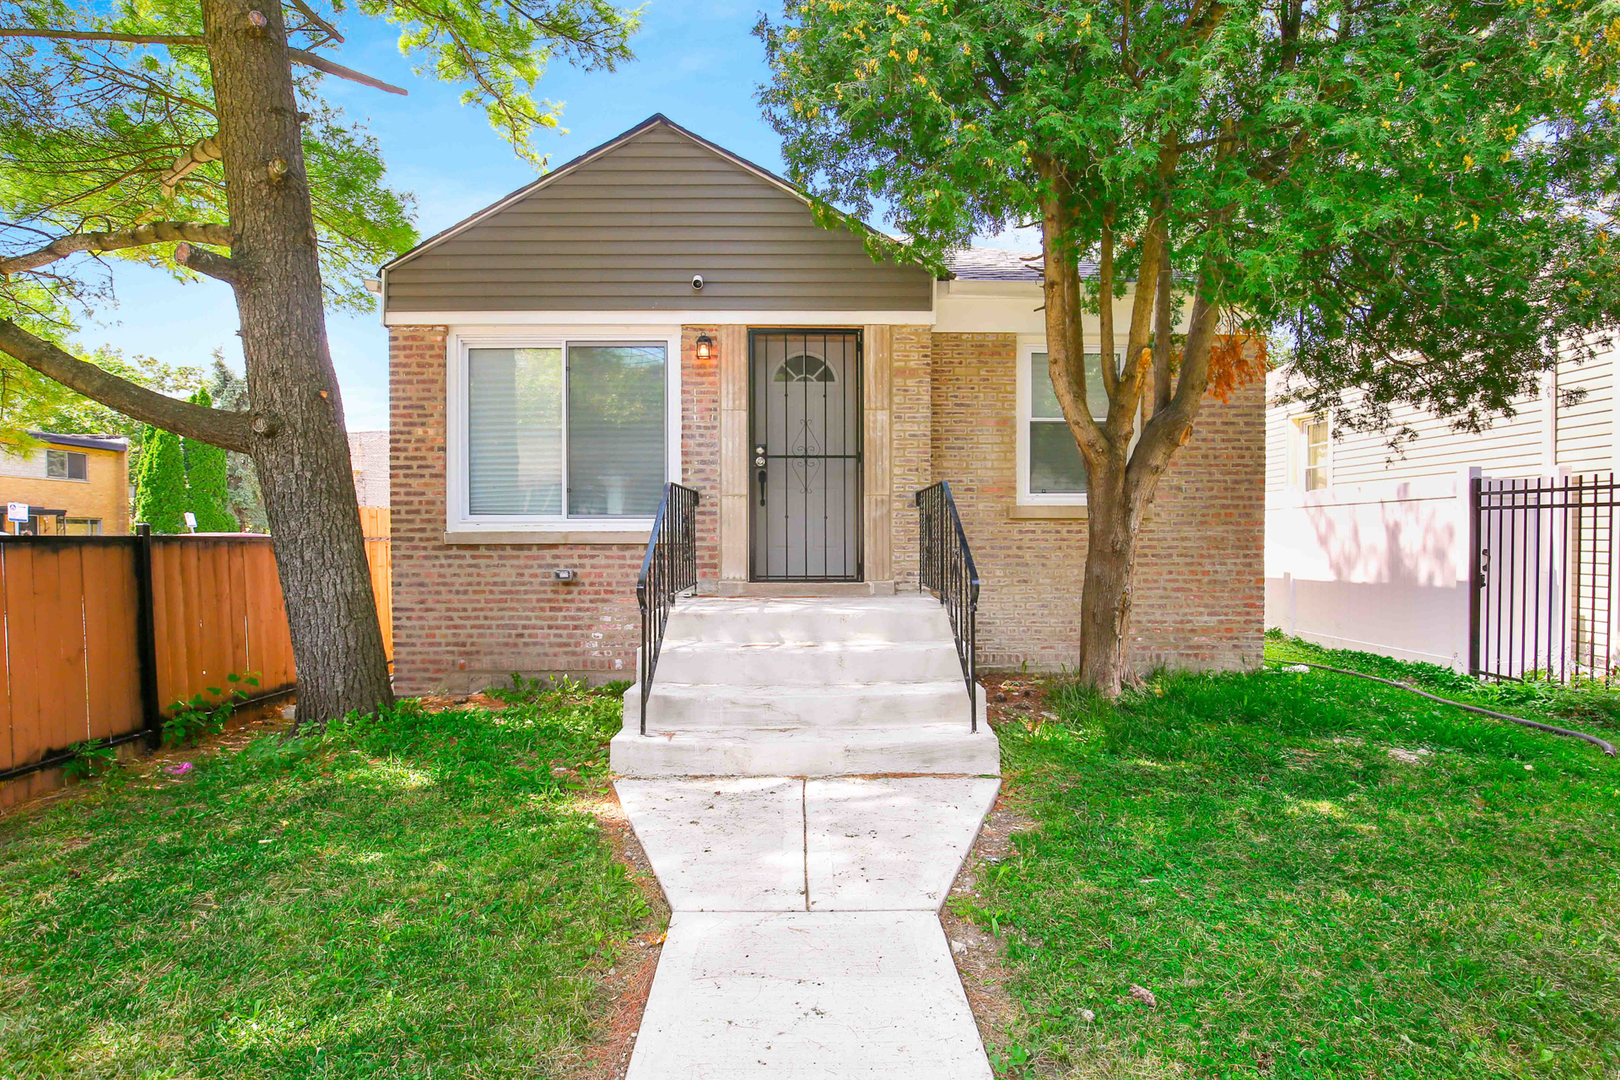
[1542,578]
[668,569]
[946,568]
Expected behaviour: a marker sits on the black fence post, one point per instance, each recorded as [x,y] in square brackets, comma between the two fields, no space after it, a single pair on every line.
[1475,584]
[146,637]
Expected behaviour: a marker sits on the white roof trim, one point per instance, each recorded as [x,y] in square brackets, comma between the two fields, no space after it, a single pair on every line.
[659,317]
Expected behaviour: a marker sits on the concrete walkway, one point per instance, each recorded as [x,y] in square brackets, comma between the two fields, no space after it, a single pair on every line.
[805,940]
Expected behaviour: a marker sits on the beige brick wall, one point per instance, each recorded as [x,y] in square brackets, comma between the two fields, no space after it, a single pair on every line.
[1200,570]
[468,616]
[911,410]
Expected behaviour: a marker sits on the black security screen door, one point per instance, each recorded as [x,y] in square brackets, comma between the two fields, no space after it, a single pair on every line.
[805,456]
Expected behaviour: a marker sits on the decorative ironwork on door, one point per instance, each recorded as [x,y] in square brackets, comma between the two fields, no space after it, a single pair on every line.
[805,417]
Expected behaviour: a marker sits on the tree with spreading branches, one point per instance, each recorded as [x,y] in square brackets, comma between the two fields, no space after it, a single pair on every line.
[171,132]
[1419,195]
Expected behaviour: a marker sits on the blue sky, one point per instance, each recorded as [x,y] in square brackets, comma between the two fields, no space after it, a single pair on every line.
[696,62]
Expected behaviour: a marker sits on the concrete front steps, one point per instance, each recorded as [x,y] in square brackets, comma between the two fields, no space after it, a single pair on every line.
[804,686]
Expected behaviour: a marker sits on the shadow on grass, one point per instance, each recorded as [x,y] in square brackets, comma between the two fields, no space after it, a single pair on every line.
[415,894]
[1312,876]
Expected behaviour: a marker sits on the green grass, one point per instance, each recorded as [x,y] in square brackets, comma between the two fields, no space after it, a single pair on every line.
[1300,901]
[420,895]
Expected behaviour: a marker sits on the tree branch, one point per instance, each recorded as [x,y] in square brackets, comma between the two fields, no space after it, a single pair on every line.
[309,13]
[155,232]
[207,262]
[96,35]
[228,430]
[1164,322]
[1105,308]
[321,63]
[201,152]
[299,56]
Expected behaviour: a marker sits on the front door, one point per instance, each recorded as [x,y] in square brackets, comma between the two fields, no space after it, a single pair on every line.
[805,419]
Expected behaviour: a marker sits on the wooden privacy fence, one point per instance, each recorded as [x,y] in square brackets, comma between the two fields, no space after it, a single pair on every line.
[375,524]
[102,633]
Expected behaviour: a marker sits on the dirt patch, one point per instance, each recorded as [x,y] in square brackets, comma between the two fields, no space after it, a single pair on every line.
[630,980]
[434,703]
[245,725]
[979,955]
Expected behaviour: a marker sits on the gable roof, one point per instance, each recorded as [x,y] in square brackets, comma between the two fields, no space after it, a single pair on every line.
[653,121]
[627,226]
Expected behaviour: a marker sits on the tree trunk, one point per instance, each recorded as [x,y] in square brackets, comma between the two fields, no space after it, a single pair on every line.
[1112,529]
[303,459]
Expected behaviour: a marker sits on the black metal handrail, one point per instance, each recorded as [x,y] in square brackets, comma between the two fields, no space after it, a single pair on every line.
[946,569]
[668,569]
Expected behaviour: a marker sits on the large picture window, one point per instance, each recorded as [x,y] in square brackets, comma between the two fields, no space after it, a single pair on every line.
[566,430]
[1050,467]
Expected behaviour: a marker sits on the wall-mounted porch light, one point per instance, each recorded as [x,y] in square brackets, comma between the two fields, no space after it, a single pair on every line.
[705,347]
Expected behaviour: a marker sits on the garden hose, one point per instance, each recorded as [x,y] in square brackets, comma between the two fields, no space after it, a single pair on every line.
[1607,748]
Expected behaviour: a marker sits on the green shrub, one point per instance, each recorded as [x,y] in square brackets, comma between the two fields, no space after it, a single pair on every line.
[201,716]
[160,483]
[207,480]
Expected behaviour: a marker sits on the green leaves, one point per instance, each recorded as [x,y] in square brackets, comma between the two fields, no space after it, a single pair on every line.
[160,483]
[1421,194]
[500,51]
[91,132]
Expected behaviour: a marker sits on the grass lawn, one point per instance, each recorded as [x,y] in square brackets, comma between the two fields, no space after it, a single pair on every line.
[1312,875]
[424,895]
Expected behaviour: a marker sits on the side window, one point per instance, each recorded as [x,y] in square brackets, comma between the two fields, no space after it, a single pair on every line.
[66,465]
[1313,453]
[1054,467]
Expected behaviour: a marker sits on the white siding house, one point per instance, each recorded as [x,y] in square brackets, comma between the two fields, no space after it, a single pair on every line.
[1369,547]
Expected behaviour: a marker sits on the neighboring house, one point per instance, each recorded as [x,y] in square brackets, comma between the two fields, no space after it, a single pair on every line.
[1368,547]
[368,457]
[74,485]
[661,309]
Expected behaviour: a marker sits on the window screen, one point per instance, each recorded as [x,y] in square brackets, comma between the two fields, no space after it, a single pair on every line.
[615,430]
[1055,465]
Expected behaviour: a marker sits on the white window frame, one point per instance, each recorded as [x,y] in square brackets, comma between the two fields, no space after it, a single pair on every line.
[67,457]
[458,515]
[1299,453]
[1027,348]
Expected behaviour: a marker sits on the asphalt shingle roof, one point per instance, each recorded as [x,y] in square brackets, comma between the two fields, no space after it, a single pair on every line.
[1000,264]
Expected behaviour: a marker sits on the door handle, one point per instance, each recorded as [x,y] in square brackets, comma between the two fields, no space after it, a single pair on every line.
[759,462]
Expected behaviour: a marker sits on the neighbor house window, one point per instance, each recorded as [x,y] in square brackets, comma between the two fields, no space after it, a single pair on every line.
[66,465]
[1313,453]
[565,430]
[81,526]
[1050,466]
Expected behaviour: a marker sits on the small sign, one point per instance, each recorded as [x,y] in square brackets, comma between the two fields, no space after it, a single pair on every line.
[17,511]
[191,521]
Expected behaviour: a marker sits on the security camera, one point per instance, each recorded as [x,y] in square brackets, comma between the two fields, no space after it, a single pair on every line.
[697,281]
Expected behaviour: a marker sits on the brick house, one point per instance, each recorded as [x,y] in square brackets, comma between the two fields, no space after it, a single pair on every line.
[73,485]
[661,309]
